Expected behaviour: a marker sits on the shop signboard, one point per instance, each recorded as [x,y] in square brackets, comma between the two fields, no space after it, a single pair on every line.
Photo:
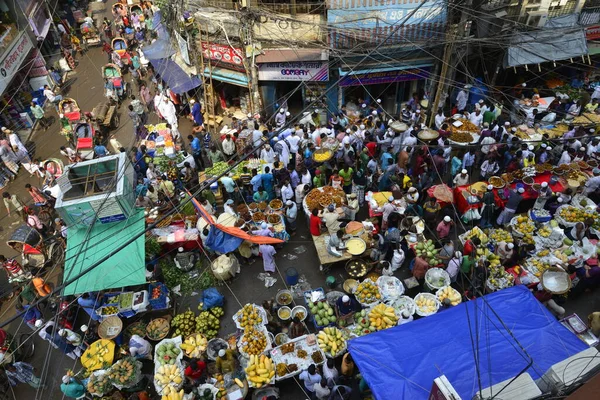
[315,71]
[108,210]
[374,78]
[13,59]
[222,53]
[372,20]
[592,32]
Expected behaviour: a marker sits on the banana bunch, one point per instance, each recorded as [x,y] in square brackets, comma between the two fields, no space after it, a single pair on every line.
[167,374]
[260,370]
[449,293]
[382,317]
[170,393]
[194,345]
[331,341]
[477,233]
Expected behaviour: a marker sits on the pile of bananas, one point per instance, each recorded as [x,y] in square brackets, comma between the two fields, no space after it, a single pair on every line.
[477,233]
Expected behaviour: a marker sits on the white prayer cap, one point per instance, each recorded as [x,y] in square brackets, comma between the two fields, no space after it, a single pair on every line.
[521,190]
[464,171]
[544,184]
[447,218]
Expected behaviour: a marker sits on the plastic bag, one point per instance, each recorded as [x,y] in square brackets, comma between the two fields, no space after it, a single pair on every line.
[471,215]
[210,298]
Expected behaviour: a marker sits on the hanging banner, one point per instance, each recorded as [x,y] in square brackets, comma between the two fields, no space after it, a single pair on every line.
[222,53]
[183,48]
[316,71]
[13,60]
[373,78]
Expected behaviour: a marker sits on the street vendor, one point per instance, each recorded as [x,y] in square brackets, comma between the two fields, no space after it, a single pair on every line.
[297,328]
[90,302]
[505,251]
[225,361]
[388,209]
[331,218]
[264,230]
[544,194]
[71,388]
[352,208]
[140,347]
[185,260]
[335,244]
[345,307]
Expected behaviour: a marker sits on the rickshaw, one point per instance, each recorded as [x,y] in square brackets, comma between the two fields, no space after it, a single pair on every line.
[119,10]
[105,117]
[116,87]
[69,108]
[12,350]
[84,136]
[35,251]
[136,8]
[90,34]
[119,45]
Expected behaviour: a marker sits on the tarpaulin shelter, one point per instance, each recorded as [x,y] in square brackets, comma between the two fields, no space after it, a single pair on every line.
[226,239]
[561,38]
[504,331]
[124,268]
[177,79]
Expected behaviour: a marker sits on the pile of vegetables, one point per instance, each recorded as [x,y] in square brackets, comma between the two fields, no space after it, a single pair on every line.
[184,323]
[428,252]
[322,312]
[208,324]
[188,281]
[167,354]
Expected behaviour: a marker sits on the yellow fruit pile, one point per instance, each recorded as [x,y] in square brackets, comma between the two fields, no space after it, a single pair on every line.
[574,214]
[426,304]
[320,156]
[537,267]
[449,293]
[168,375]
[254,341]
[524,225]
[500,235]
[260,370]
[249,316]
[170,393]
[194,345]
[367,292]
[331,341]
[477,233]
[382,317]
[561,256]
[545,231]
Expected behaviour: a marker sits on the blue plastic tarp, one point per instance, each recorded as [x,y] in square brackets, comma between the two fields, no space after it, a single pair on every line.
[178,81]
[217,240]
[402,362]
[161,48]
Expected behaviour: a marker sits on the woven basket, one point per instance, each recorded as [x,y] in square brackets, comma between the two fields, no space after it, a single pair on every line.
[110,327]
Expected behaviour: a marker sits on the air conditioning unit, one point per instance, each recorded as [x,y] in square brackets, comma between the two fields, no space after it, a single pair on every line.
[569,371]
[522,388]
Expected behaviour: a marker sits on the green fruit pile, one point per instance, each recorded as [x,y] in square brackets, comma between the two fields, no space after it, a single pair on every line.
[428,252]
[167,353]
[208,324]
[323,313]
[217,311]
[184,324]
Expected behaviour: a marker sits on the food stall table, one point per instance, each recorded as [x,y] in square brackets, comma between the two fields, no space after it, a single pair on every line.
[381,198]
[461,193]
[324,257]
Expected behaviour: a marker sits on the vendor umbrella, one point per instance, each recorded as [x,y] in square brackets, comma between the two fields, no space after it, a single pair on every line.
[226,239]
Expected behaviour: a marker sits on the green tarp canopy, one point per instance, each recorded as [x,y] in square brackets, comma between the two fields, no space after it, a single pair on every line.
[124,268]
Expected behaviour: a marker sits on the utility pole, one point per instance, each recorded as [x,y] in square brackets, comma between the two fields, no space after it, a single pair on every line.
[246,34]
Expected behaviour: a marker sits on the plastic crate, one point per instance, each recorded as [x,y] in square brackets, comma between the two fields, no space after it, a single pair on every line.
[162,301]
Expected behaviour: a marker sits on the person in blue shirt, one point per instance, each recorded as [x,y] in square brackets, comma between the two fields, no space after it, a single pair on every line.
[196,112]
[196,146]
[140,159]
[32,314]
[385,160]
[100,150]
[255,181]
[268,180]
[89,302]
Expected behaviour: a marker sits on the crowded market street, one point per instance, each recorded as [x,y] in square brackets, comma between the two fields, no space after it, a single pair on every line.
[190,216]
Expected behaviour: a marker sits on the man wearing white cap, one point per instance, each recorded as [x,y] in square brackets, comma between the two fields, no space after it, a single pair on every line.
[263,231]
[225,362]
[72,388]
[476,118]
[510,209]
[443,228]
[291,213]
[593,183]
[280,119]
[461,179]
[346,306]
[388,209]
[505,251]
[544,194]
[462,97]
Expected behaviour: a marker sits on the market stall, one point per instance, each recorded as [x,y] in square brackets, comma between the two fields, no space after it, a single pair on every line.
[403,372]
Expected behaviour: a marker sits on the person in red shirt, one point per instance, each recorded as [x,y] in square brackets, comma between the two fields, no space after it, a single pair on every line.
[470,246]
[371,146]
[195,371]
[315,223]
